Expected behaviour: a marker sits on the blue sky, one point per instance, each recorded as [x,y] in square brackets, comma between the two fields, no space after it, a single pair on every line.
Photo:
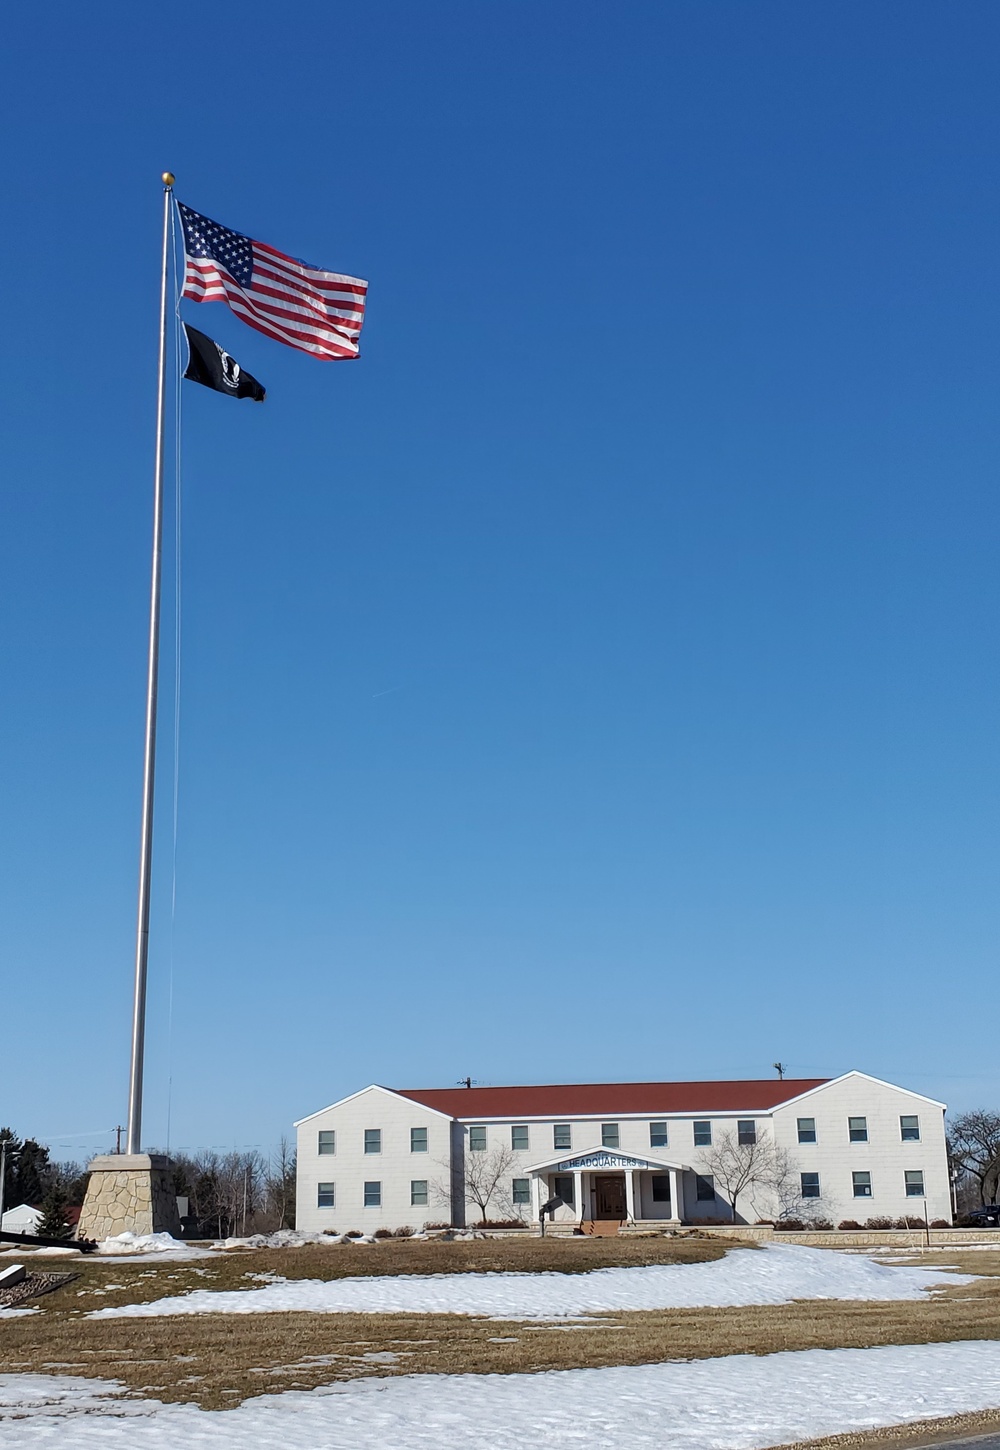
[595,680]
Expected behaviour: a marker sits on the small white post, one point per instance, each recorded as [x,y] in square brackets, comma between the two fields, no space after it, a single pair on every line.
[578,1193]
[675,1195]
[630,1195]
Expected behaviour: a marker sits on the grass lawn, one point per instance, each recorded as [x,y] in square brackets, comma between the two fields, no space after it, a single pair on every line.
[218,1360]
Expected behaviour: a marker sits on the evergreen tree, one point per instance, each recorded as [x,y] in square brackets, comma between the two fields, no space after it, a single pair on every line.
[53,1224]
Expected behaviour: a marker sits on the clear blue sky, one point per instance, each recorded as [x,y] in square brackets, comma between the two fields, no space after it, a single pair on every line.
[598,679]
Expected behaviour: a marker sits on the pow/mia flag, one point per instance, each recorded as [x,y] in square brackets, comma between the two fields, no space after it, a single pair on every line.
[210,364]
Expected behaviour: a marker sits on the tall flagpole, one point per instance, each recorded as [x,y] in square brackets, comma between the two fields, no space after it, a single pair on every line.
[149,756]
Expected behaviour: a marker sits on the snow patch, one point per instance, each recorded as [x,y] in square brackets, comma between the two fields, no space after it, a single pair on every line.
[742,1402]
[775,1274]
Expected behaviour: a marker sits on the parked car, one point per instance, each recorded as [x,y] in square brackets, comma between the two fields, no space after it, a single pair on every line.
[986,1217]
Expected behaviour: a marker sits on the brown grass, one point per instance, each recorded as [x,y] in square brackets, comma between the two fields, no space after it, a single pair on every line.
[217,1360]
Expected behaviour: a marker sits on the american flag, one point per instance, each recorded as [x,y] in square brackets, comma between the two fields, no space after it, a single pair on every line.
[318,312]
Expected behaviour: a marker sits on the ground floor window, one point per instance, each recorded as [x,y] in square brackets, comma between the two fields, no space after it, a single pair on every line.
[704,1187]
[521,1190]
[373,1195]
[809,1185]
[862,1185]
[418,1193]
[914,1183]
[661,1187]
[562,1187]
[326,1195]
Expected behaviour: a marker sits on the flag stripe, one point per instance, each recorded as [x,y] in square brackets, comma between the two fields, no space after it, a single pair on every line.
[316,311]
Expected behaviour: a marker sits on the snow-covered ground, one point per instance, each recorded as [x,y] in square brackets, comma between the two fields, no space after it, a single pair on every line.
[742,1402]
[775,1274]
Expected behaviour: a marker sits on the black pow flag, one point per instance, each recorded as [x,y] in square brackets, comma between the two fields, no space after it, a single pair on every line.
[211,365]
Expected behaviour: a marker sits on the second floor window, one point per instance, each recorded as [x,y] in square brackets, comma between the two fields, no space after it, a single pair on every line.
[519,1137]
[857,1129]
[746,1132]
[477,1139]
[562,1136]
[418,1140]
[909,1128]
[327,1141]
[373,1140]
[702,1133]
[807,1130]
[609,1135]
[657,1135]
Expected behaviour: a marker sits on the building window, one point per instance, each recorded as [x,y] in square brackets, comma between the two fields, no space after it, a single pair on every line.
[521,1191]
[609,1135]
[373,1140]
[704,1188]
[807,1130]
[326,1141]
[661,1187]
[909,1128]
[418,1192]
[373,1195]
[326,1195]
[809,1185]
[746,1132]
[477,1139]
[562,1187]
[702,1134]
[862,1185]
[914,1183]
[519,1137]
[418,1140]
[658,1135]
[858,1129]
[562,1136]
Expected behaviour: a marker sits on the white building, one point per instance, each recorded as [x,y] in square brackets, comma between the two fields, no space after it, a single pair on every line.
[855,1148]
[21,1220]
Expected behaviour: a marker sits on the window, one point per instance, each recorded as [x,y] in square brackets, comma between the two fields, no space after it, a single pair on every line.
[862,1185]
[661,1187]
[519,1137]
[809,1185]
[326,1141]
[562,1136]
[326,1195]
[658,1135]
[909,1128]
[521,1190]
[418,1140]
[477,1140]
[418,1192]
[562,1187]
[807,1130]
[609,1135]
[914,1183]
[746,1132]
[858,1129]
[704,1187]
[373,1195]
[702,1134]
[373,1140]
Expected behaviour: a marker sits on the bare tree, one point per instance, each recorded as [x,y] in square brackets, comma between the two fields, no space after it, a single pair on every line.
[974,1150]
[737,1166]
[486,1180]
[279,1187]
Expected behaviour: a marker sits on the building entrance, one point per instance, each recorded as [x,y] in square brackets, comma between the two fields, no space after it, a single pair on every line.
[609,1196]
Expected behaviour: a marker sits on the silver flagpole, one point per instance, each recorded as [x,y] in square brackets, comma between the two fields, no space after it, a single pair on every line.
[149,757]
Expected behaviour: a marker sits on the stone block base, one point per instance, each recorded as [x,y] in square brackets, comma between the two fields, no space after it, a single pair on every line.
[129,1193]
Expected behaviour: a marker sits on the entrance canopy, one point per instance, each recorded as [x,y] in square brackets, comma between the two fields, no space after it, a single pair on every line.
[607,1184]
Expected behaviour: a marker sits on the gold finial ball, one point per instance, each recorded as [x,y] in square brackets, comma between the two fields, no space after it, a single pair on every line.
[168,178]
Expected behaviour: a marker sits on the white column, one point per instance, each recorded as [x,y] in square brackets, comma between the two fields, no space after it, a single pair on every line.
[676,1206]
[536,1197]
[630,1195]
[578,1191]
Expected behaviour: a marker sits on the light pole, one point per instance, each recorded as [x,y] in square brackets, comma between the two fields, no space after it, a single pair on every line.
[3,1171]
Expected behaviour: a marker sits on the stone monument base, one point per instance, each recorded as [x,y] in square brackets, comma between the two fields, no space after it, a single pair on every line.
[129,1192]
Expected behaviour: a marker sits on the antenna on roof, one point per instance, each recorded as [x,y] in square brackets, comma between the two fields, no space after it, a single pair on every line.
[468,1082]
[780,1068]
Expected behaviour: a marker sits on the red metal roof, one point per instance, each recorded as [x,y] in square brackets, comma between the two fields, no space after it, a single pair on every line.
[608,1098]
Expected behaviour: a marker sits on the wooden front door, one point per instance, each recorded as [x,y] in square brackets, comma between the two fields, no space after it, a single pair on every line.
[609,1196]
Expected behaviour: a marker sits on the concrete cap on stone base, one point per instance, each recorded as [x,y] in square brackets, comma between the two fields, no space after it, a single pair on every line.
[115,1162]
